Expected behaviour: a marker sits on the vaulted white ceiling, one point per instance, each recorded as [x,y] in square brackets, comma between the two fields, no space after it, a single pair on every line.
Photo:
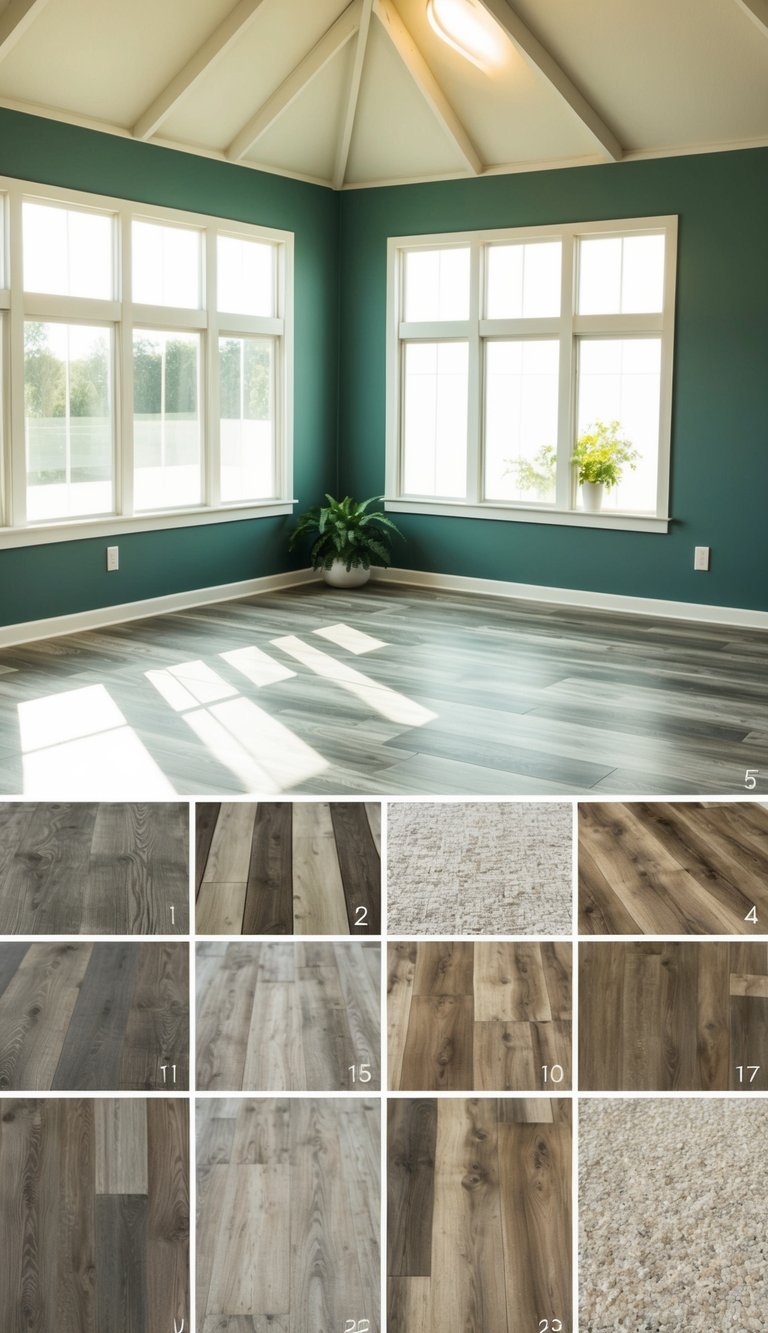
[366,92]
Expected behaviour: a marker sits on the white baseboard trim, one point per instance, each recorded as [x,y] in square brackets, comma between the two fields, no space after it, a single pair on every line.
[594,601]
[30,630]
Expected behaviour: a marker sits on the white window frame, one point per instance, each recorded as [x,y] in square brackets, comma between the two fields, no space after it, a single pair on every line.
[568,327]
[122,315]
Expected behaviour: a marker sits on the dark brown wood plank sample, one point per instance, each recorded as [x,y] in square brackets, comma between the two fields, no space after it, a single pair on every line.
[666,1017]
[288,1220]
[479,1229]
[673,869]
[289,868]
[77,1016]
[288,1016]
[78,1257]
[206,815]
[484,1015]
[94,869]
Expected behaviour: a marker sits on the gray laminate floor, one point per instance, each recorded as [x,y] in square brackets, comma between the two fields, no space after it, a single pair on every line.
[385,690]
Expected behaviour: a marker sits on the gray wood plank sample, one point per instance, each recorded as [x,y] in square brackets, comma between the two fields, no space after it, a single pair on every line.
[295,1017]
[77,1016]
[82,1254]
[94,869]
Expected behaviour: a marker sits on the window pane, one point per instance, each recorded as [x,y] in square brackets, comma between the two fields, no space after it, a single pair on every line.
[67,252]
[247,419]
[166,265]
[435,419]
[521,381]
[246,277]
[68,414]
[620,380]
[437,284]
[621,275]
[166,428]
[524,280]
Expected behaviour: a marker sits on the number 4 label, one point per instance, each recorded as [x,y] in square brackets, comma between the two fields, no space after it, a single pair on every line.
[752,916]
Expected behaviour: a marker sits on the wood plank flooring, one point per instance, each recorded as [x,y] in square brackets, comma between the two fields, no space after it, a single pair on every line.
[288,1197]
[665,869]
[488,1016]
[478,1202]
[282,868]
[88,869]
[387,690]
[295,1017]
[94,1215]
[668,1017]
[80,1017]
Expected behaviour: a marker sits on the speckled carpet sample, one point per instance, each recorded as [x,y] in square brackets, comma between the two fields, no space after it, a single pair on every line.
[498,867]
[673,1215]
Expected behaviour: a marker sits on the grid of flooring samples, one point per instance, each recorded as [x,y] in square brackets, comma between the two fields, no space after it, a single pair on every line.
[237,1098]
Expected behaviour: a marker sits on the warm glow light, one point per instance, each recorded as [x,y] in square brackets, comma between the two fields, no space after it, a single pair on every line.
[468,28]
[262,753]
[384,701]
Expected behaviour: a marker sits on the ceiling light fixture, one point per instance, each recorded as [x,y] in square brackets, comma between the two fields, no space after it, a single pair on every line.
[468,28]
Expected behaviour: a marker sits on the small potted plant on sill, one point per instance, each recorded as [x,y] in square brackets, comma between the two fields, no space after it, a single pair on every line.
[349,537]
[600,458]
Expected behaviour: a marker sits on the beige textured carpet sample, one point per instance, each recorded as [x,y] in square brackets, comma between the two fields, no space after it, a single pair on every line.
[479,868]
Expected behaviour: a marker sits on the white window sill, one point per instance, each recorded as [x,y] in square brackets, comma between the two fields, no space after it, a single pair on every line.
[41,534]
[572,518]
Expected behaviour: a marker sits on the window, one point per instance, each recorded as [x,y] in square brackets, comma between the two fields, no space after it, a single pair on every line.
[506,348]
[145,357]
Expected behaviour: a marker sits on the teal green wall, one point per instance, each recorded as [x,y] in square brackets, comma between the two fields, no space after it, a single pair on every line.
[39,581]
[720,422]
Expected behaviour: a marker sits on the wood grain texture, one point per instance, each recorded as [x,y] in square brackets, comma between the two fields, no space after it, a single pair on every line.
[278,1017]
[282,868]
[479,1230]
[288,1224]
[465,695]
[93,869]
[673,1017]
[481,1015]
[79,1017]
[673,869]
[77,1259]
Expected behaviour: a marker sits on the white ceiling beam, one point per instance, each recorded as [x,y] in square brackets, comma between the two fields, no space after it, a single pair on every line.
[14,21]
[427,84]
[353,94]
[544,62]
[212,49]
[332,40]
[758,12]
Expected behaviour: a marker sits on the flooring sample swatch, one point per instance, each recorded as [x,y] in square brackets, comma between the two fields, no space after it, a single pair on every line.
[288,1017]
[283,868]
[672,1237]
[666,1017]
[288,1205]
[479,1215]
[664,869]
[94,1214]
[103,1017]
[94,869]
[480,868]
[476,1015]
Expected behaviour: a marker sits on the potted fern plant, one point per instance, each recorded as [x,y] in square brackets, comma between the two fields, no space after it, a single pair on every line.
[600,458]
[349,536]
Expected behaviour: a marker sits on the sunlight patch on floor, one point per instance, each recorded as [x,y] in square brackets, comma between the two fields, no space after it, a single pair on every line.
[67,716]
[262,753]
[383,700]
[353,640]
[257,666]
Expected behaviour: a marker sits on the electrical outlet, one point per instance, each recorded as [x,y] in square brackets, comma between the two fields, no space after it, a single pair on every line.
[113,559]
[701,557]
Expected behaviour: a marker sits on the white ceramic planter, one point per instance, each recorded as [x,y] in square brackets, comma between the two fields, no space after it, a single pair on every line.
[338,576]
[592,496]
